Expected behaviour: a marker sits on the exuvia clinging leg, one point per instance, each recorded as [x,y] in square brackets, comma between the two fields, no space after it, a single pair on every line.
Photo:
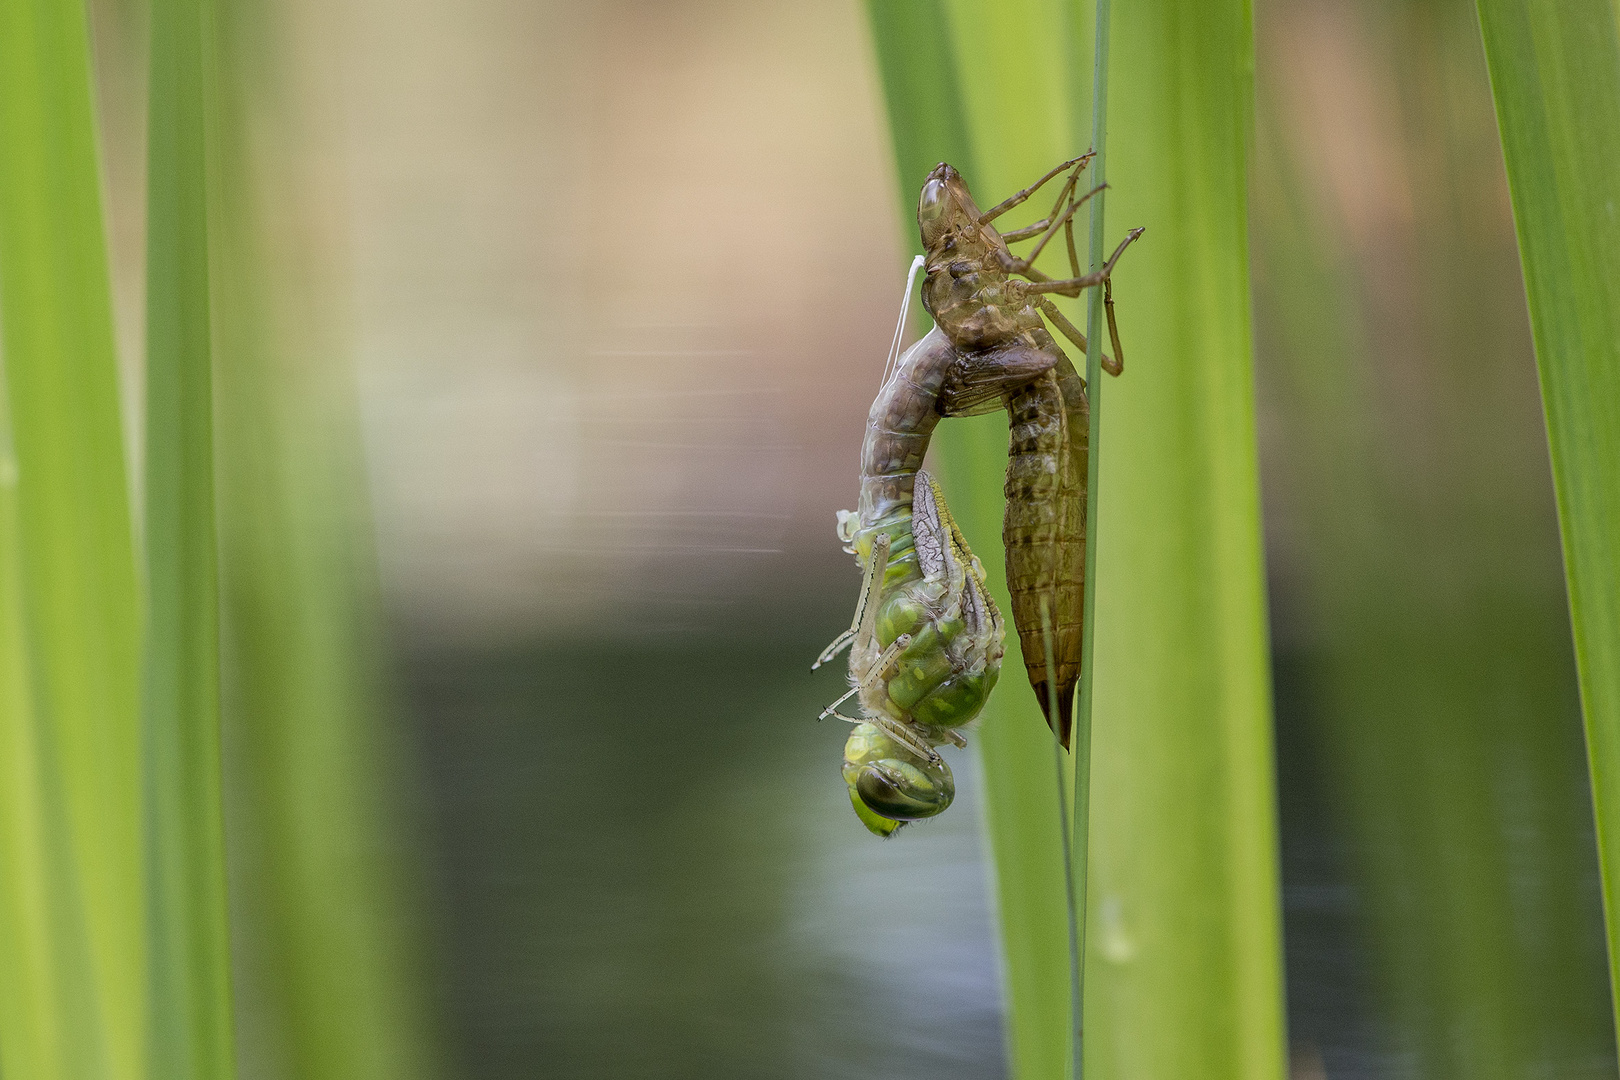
[1065,221]
[1015,199]
[1075,286]
[1041,226]
[1113,327]
[1072,332]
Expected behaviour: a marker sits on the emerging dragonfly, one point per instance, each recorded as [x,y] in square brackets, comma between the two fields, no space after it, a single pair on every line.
[927,640]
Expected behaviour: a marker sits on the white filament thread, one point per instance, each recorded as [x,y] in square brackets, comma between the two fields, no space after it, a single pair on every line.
[891,366]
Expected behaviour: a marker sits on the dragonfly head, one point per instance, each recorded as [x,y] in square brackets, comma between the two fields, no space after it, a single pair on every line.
[890,785]
[945,205]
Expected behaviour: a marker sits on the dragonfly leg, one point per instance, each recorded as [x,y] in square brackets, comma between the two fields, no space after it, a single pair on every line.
[873,676]
[839,644]
[869,584]
[1065,220]
[871,589]
[1017,198]
[909,736]
[1075,286]
[1072,332]
[832,710]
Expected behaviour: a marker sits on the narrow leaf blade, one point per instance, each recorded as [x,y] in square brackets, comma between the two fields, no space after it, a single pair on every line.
[74,549]
[191,1027]
[1184,948]
[1555,74]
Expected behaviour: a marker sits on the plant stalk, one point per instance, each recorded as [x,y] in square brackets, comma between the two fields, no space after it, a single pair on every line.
[190,1021]
[1075,907]
[1081,740]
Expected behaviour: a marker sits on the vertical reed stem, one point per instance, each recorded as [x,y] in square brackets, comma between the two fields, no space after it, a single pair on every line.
[1081,740]
[189,1021]
[1063,821]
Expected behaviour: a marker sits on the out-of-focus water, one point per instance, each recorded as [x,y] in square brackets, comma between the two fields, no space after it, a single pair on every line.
[647,867]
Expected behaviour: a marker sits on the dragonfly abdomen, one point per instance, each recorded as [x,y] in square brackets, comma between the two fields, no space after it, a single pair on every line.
[898,429]
[1044,534]
[940,679]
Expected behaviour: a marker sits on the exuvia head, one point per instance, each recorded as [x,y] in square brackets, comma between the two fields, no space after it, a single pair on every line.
[943,205]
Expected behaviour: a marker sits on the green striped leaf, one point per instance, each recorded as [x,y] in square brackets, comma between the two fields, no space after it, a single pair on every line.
[1185,962]
[189,960]
[1555,73]
[319,882]
[929,109]
[75,622]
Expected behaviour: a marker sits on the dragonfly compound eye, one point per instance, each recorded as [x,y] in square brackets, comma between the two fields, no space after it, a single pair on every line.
[889,780]
[931,206]
[902,791]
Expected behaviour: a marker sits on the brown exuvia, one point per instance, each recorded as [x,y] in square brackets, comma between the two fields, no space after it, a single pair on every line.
[1006,358]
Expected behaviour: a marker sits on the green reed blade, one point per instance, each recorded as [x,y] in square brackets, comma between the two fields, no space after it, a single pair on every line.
[189,961]
[1433,727]
[1019,127]
[74,558]
[1555,74]
[1080,815]
[33,935]
[318,884]
[1015,86]
[1184,947]
[929,110]
[1181,702]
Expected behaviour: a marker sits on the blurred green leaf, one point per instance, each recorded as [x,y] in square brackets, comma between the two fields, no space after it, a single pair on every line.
[1421,636]
[329,972]
[1014,78]
[1555,73]
[189,962]
[74,564]
[34,938]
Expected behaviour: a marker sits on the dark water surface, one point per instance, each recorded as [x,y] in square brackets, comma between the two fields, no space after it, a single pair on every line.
[649,868]
[646,866]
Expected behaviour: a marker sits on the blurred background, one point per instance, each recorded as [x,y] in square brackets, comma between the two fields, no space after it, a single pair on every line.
[594,298]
